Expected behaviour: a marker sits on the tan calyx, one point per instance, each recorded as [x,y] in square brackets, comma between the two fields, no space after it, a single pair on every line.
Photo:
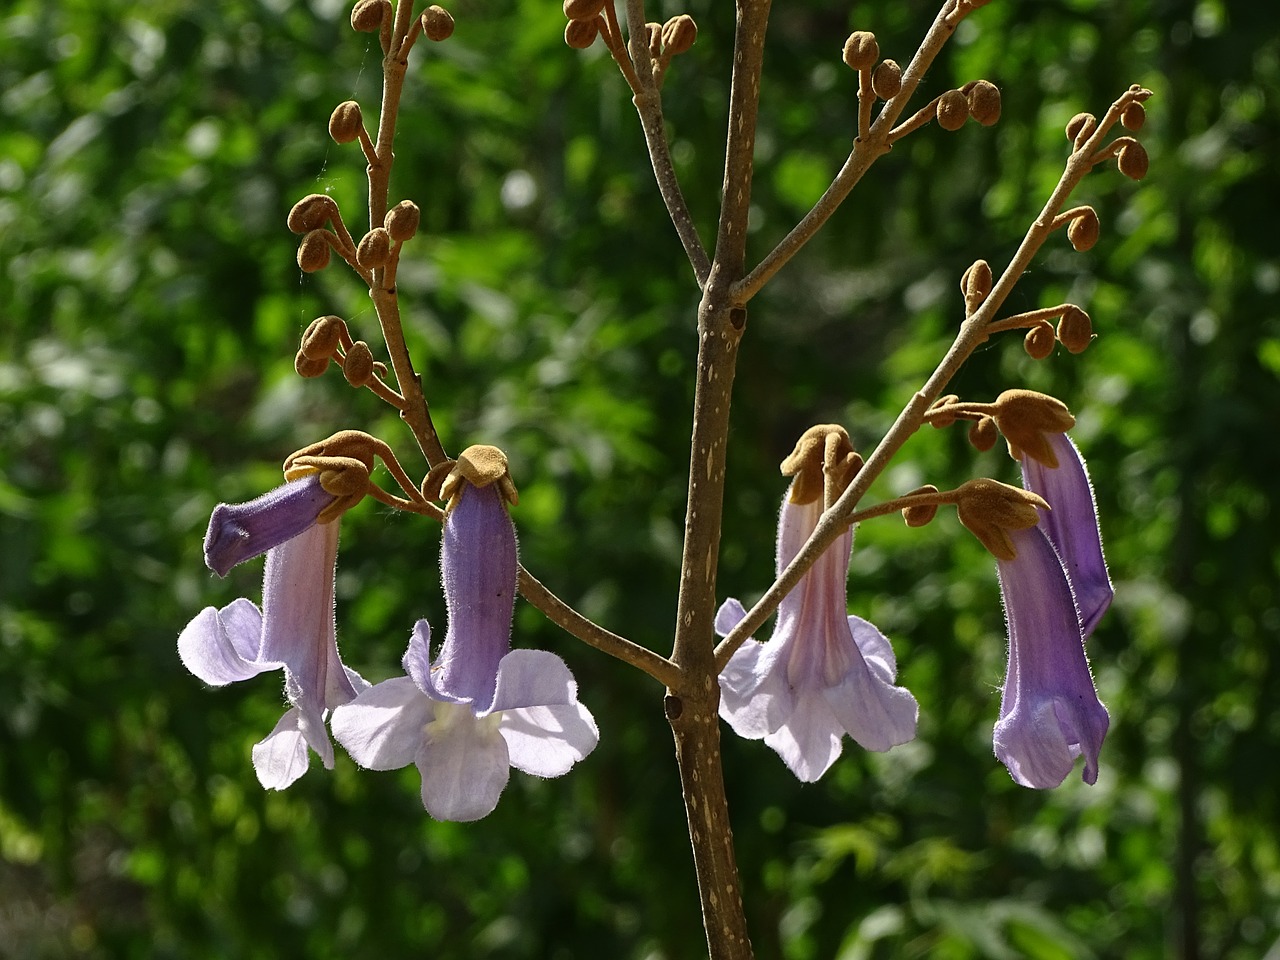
[1025,418]
[344,462]
[989,509]
[823,464]
[479,465]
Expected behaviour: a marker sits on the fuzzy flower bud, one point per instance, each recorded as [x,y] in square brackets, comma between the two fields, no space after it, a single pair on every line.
[1029,421]
[1083,230]
[976,282]
[402,220]
[983,434]
[345,122]
[886,80]
[580,34]
[437,23]
[984,102]
[923,513]
[321,339]
[678,34]
[583,9]
[1133,160]
[374,249]
[861,51]
[990,510]
[357,366]
[1134,116]
[312,212]
[823,459]
[953,110]
[1039,341]
[313,251]
[309,367]
[367,15]
[1082,124]
[1075,330]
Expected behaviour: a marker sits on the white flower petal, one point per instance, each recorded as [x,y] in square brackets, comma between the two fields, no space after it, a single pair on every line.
[547,741]
[281,757]
[872,710]
[754,696]
[877,651]
[464,764]
[382,727]
[532,678]
[809,742]
[219,646]
[730,614]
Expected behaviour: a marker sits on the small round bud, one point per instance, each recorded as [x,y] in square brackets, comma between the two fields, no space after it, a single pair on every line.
[312,212]
[976,282]
[357,366]
[1039,341]
[307,367]
[1075,329]
[861,50]
[374,248]
[983,434]
[402,220]
[653,34]
[921,514]
[1083,230]
[322,337]
[583,9]
[1081,123]
[313,252]
[1133,160]
[345,122]
[984,102]
[941,416]
[437,23]
[1134,116]
[953,110]
[580,34]
[678,34]
[886,80]
[367,15]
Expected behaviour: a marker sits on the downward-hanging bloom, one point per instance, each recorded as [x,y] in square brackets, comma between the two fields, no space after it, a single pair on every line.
[822,673]
[295,629]
[481,707]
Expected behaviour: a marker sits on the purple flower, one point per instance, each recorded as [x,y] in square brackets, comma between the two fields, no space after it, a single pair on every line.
[481,707]
[294,631]
[241,531]
[823,673]
[1072,526]
[1049,712]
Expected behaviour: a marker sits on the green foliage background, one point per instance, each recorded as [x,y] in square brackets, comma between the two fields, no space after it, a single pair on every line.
[151,307]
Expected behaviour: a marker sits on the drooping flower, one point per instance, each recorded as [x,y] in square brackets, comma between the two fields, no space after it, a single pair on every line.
[1049,711]
[1072,525]
[294,631]
[481,707]
[822,673]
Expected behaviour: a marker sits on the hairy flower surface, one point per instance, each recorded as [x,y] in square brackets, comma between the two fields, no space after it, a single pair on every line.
[822,673]
[294,631]
[1072,526]
[481,707]
[241,531]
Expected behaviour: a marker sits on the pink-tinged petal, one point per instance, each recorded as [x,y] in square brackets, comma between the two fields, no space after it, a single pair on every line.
[241,531]
[281,757]
[1072,527]
[532,678]
[382,727]
[877,651]
[417,659]
[868,707]
[221,646]
[464,764]
[809,742]
[730,614]
[755,698]
[547,741]
[478,569]
[1050,712]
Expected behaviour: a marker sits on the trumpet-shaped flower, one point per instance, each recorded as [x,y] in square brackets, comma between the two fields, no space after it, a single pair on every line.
[481,707]
[822,673]
[293,631]
[1049,712]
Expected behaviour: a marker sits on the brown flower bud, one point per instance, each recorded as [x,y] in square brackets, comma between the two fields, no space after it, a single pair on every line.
[953,110]
[823,458]
[374,249]
[580,34]
[984,102]
[1134,116]
[861,50]
[322,337]
[346,122]
[920,514]
[976,282]
[989,509]
[308,367]
[312,212]
[678,34]
[357,366]
[583,9]
[367,15]
[437,23]
[886,80]
[653,35]
[402,220]
[1025,417]
[313,251]
[1081,123]
[1039,340]
[1083,230]
[1133,160]
[1075,329]
[943,418]
[983,434]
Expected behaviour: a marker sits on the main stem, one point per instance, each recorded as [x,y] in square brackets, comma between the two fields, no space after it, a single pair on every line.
[693,707]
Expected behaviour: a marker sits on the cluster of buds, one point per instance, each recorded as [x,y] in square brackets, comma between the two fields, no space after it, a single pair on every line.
[1025,418]
[380,247]
[326,339]
[589,19]
[377,16]
[1074,328]
[1131,156]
